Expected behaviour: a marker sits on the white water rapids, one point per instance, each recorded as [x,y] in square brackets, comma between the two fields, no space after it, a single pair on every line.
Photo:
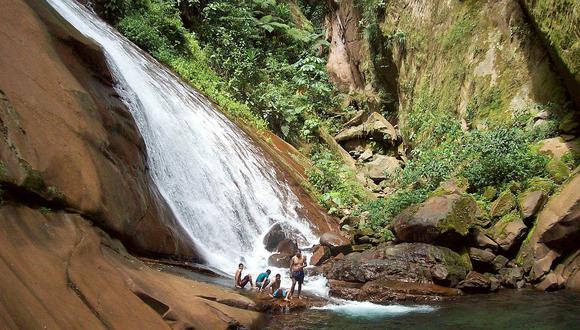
[221,189]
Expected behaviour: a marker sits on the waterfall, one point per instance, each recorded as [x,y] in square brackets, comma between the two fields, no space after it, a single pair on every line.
[222,190]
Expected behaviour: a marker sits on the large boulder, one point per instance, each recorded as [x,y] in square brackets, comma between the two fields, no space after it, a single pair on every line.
[557,231]
[479,239]
[504,204]
[280,260]
[376,126]
[557,147]
[280,232]
[508,231]
[287,246]
[475,282]
[531,202]
[440,219]
[481,259]
[407,262]
[319,255]
[512,277]
[336,243]
[381,166]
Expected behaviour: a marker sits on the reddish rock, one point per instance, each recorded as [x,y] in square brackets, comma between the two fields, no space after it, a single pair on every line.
[336,243]
[287,246]
[319,255]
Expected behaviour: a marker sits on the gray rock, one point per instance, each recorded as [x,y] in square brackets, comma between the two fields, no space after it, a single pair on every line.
[499,262]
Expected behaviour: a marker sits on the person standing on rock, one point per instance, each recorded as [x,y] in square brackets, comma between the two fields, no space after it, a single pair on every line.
[297,265]
[263,280]
[241,282]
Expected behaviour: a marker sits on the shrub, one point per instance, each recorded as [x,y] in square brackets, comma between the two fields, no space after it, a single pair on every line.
[382,211]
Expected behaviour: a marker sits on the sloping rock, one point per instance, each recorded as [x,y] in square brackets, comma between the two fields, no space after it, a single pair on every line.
[59,271]
[508,231]
[557,231]
[336,243]
[382,291]
[441,219]
[531,202]
[407,262]
[67,138]
[319,255]
[503,205]
[481,259]
[569,271]
[479,239]
[558,147]
[381,166]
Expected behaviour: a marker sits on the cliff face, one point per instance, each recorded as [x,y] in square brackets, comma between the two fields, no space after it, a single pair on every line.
[476,62]
[68,142]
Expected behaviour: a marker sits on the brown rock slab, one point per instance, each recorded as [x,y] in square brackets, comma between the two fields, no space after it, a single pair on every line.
[319,255]
[475,282]
[336,243]
[503,205]
[280,260]
[61,272]
[531,202]
[508,231]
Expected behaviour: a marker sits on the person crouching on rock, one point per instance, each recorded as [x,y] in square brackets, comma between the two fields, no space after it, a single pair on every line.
[263,280]
[277,292]
[241,282]
[297,265]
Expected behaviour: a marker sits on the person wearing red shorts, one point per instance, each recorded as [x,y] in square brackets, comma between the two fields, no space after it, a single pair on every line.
[241,282]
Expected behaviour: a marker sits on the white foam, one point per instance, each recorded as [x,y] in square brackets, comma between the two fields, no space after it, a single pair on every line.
[368,309]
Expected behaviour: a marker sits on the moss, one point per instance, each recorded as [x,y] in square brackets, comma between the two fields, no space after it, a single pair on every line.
[499,228]
[33,180]
[521,254]
[505,202]
[569,123]
[542,184]
[557,170]
[3,169]
[489,193]
[462,215]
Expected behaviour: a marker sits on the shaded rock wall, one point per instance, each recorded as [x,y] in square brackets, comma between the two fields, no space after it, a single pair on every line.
[66,140]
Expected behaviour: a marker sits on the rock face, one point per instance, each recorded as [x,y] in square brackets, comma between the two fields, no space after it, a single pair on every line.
[346,44]
[319,255]
[475,282]
[59,271]
[508,231]
[406,262]
[440,219]
[557,232]
[381,166]
[280,232]
[531,202]
[376,126]
[68,141]
[336,243]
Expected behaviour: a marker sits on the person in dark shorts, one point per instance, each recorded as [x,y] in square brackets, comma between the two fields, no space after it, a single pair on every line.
[263,280]
[241,282]
[277,291]
[297,265]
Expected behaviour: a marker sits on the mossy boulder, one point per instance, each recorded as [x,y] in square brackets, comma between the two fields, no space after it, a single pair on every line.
[558,170]
[489,193]
[443,220]
[504,204]
[530,202]
[508,231]
[543,184]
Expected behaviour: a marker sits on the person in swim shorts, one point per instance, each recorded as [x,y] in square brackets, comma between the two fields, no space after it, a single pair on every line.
[263,280]
[277,292]
[297,265]
[240,282]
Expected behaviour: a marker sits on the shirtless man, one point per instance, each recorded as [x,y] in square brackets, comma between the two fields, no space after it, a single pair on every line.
[277,292]
[297,265]
[240,282]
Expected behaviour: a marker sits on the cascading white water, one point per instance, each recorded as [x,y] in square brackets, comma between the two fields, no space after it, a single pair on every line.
[222,190]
